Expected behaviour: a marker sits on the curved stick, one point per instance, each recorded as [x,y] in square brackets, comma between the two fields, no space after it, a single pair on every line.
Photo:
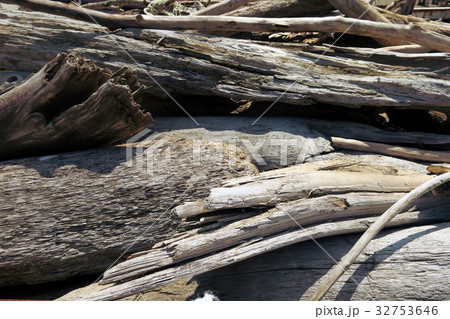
[335,273]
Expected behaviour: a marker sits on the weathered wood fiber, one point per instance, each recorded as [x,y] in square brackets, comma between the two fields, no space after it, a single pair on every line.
[76,213]
[70,104]
[193,64]
[280,219]
[249,250]
[400,264]
[275,142]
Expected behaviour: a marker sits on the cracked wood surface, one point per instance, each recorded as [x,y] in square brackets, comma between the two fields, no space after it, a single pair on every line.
[75,213]
[189,64]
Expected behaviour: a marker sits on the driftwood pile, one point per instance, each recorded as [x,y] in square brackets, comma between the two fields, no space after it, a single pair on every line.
[139,144]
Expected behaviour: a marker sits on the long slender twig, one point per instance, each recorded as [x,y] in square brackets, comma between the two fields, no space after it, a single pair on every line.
[335,273]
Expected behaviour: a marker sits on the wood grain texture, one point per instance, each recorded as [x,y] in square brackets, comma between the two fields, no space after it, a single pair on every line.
[397,265]
[193,64]
[76,213]
[70,104]
[258,247]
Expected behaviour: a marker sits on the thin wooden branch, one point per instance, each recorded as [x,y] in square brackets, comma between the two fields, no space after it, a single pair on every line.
[252,249]
[405,152]
[360,9]
[221,7]
[334,274]
[412,33]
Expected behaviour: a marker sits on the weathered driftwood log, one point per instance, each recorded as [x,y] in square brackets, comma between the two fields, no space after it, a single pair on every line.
[393,150]
[275,142]
[400,264]
[302,181]
[272,143]
[298,212]
[280,219]
[76,213]
[414,34]
[344,264]
[260,246]
[192,64]
[70,104]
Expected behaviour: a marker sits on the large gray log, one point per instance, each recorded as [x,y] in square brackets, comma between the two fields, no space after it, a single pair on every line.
[405,264]
[275,142]
[188,64]
[76,213]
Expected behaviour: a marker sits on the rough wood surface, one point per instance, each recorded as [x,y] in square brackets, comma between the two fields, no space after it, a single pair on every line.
[258,247]
[76,213]
[393,150]
[344,264]
[280,219]
[275,142]
[382,30]
[69,104]
[397,265]
[192,64]
[301,181]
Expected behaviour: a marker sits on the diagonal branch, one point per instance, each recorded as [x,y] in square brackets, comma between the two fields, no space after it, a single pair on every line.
[336,272]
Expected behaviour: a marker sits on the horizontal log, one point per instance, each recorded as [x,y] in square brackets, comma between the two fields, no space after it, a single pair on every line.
[274,221]
[76,213]
[397,265]
[404,152]
[70,104]
[414,34]
[276,142]
[234,255]
[268,189]
[186,64]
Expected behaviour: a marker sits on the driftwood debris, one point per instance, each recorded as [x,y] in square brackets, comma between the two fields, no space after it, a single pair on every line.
[184,197]
[70,104]
[400,264]
[76,213]
[414,34]
[404,152]
[337,271]
[275,142]
[280,189]
[193,64]
[246,251]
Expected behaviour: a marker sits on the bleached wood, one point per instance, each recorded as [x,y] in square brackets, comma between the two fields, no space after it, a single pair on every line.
[268,189]
[333,275]
[412,33]
[409,264]
[277,220]
[236,254]
[188,64]
[398,151]
[76,213]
